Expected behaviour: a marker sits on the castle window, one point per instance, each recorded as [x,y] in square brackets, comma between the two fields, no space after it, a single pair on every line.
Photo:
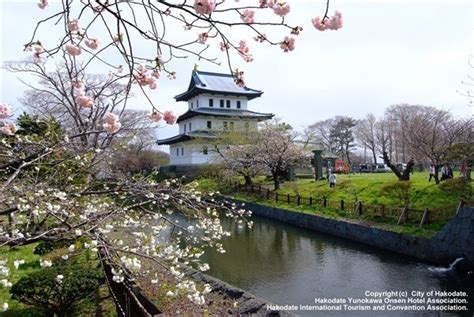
[182,151]
[192,105]
[231,125]
[211,102]
[185,128]
[228,103]
[209,124]
[197,103]
[204,150]
[222,103]
[238,104]
[177,151]
[189,127]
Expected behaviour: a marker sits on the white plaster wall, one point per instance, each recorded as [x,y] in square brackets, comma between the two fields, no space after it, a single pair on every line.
[204,101]
[200,124]
[193,154]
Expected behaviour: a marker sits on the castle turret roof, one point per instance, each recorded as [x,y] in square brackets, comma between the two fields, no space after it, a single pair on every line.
[215,83]
[228,113]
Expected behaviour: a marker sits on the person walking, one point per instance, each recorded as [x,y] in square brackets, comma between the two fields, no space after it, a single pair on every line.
[445,172]
[432,172]
[332,180]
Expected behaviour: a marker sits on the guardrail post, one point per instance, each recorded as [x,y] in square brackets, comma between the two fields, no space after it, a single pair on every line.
[425,217]
[310,201]
[382,210]
[359,209]
[288,198]
[298,200]
[325,201]
[342,204]
[403,215]
[460,205]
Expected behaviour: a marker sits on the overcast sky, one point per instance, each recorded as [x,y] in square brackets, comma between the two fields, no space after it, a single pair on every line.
[389,52]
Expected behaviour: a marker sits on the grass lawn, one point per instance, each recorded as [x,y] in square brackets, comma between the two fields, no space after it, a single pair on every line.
[366,188]
[102,303]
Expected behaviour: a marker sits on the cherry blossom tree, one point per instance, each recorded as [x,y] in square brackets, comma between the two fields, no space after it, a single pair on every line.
[278,151]
[51,185]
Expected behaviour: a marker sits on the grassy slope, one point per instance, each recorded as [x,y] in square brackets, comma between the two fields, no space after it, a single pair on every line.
[367,187]
[424,194]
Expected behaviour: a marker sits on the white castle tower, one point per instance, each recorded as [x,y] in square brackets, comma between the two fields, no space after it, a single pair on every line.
[215,103]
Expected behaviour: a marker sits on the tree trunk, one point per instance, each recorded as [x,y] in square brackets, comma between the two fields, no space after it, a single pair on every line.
[248,180]
[374,156]
[436,174]
[405,176]
[276,181]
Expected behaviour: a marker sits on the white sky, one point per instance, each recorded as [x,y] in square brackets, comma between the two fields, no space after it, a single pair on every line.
[389,52]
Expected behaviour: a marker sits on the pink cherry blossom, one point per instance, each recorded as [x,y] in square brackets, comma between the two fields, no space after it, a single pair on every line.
[318,24]
[5,111]
[288,44]
[155,73]
[204,6]
[267,3]
[43,4]
[248,16]
[281,8]
[85,101]
[92,43]
[202,37]
[169,117]
[336,22]
[224,47]
[239,78]
[333,23]
[243,47]
[73,49]
[151,82]
[74,26]
[244,51]
[111,123]
[155,116]
[8,129]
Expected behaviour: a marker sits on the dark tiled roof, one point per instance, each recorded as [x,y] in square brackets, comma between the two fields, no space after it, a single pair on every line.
[188,136]
[231,113]
[215,83]
[175,139]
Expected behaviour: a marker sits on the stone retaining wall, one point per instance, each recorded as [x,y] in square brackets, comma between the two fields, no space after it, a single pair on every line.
[248,304]
[454,240]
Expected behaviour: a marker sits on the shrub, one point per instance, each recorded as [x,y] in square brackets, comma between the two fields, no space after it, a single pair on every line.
[45,247]
[458,187]
[42,289]
[398,190]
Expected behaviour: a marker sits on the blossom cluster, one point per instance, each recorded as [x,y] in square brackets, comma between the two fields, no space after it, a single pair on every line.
[111,123]
[6,128]
[144,77]
[333,23]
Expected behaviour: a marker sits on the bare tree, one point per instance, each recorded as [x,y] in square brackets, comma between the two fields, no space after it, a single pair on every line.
[365,132]
[342,136]
[320,132]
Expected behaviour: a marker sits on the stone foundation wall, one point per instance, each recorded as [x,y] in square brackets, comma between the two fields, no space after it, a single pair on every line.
[454,240]
[248,304]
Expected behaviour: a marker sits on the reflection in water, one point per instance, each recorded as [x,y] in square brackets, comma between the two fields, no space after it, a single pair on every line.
[290,265]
